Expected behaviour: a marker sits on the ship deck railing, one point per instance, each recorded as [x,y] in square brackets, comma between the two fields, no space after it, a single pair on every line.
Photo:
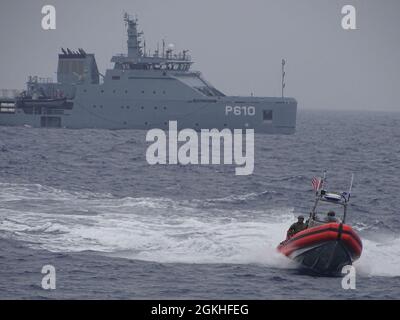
[36,79]
[7,100]
[9,94]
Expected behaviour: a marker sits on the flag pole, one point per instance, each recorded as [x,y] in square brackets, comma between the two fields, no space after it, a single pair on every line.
[351,186]
[323,180]
[283,78]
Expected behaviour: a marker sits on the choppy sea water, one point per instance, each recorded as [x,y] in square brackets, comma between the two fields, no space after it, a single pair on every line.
[87,202]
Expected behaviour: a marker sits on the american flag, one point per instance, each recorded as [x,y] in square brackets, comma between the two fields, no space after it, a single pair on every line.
[316,183]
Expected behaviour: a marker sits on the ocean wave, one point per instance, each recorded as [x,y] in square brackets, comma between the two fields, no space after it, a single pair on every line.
[165,229]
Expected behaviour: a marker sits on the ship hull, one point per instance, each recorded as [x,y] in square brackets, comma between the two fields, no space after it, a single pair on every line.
[327,258]
[268,115]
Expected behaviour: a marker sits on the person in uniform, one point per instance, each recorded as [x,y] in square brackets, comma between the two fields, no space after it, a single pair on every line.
[331,217]
[296,227]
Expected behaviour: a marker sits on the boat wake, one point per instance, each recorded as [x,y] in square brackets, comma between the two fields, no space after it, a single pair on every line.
[160,229]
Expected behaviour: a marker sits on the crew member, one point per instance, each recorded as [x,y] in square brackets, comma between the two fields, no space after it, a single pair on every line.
[296,227]
[331,217]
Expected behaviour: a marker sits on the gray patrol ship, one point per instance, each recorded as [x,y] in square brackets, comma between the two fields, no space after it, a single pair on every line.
[142,91]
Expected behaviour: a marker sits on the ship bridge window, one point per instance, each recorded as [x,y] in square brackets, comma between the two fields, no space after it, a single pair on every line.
[205,90]
[217,93]
[210,91]
[200,85]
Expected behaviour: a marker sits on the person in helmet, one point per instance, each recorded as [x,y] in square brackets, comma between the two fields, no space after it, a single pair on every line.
[331,217]
[296,227]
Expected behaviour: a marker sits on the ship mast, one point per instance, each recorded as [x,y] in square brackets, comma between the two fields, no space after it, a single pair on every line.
[283,77]
[134,49]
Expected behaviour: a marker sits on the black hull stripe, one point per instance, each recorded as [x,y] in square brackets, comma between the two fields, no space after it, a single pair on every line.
[350,258]
[324,230]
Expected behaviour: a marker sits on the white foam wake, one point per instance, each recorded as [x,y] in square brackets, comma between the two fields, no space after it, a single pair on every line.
[160,229]
[380,258]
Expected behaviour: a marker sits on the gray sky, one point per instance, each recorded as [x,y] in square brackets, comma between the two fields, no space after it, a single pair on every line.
[237,44]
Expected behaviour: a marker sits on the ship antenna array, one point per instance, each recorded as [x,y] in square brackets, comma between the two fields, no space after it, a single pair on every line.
[126,18]
[163,48]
